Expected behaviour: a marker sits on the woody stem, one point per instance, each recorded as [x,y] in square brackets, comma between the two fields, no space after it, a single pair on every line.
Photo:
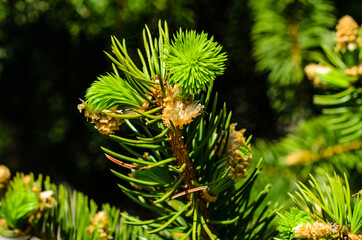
[178,147]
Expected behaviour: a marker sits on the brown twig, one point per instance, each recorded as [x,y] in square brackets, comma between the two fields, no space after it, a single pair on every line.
[178,147]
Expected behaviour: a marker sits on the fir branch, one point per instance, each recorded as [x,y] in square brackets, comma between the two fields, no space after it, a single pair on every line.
[36,207]
[190,163]
[328,214]
[285,35]
[342,76]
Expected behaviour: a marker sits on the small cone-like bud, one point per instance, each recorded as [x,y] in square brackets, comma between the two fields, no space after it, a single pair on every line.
[352,236]
[100,224]
[4,176]
[237,161]
[105,124]
[347,34]
[314,230]
[354,71]
[313,70]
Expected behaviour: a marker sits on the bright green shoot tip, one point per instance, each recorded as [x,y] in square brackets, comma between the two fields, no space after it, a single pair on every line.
[111,91]
[194,61]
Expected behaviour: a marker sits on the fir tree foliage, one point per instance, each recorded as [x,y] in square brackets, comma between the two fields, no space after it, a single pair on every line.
[188,163]
[313,147]
[327,143]
[24,206]
[17,207]
[330,142]
[339,73]
[33,206]
[333,212]
[286,35]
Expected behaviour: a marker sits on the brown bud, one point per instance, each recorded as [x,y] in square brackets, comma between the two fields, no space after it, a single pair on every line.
[5,176]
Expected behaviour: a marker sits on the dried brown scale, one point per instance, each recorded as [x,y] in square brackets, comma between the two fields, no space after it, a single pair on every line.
[313,230]
[335,228]
[180,111]
[352,236]
[345,234]
[321,230]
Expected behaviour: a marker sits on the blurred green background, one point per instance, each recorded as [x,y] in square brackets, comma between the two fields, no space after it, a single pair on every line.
[51,51]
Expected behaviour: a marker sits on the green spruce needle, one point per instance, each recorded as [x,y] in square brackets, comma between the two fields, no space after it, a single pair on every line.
[111,91]
[290,220]
[194,61]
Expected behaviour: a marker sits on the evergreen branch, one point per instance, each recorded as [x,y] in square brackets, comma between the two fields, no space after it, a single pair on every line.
[59,213]
[285,35]
[337,217]
[202,158]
